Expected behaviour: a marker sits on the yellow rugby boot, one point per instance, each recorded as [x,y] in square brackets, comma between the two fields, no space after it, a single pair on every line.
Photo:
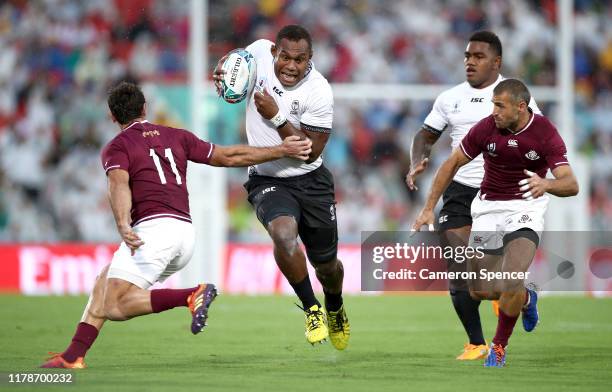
[316,330]
[339,328]
[473,351]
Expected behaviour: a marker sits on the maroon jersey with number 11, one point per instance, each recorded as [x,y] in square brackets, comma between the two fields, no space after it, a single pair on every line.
[156,158]
[537,147]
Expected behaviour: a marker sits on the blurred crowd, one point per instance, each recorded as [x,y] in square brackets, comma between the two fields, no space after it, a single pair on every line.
[59,57]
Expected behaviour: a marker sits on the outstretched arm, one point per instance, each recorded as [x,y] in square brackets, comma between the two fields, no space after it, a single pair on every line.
[443,177]
[243,155]
[419,155]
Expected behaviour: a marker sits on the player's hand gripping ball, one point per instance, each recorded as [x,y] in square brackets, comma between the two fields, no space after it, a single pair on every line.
[238,75]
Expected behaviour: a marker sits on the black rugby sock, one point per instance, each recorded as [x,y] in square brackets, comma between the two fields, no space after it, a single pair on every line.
[333,302]
[304,292]
[467,310]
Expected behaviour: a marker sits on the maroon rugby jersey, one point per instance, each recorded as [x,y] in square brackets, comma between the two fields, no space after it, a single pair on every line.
[156,158]
[537,147]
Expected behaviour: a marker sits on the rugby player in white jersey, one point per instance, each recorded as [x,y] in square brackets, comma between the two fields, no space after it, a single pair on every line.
[294,198]
[456,110]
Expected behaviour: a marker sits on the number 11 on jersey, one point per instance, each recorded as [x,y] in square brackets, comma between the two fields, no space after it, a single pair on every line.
[162,176]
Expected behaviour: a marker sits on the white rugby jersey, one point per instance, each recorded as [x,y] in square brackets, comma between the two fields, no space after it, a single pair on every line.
[459,109]
[308,104]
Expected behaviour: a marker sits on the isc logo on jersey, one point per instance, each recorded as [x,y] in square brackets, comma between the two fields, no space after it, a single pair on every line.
[240,74]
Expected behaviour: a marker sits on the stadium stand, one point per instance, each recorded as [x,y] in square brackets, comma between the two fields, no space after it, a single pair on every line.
[59,57]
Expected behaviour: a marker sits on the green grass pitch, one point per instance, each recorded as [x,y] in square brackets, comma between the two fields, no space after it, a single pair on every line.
[402,343]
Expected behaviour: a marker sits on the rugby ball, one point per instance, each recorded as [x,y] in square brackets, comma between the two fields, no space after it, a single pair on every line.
[240,74]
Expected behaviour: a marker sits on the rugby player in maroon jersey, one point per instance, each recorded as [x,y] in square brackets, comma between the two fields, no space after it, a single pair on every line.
[146,167]
[519,147]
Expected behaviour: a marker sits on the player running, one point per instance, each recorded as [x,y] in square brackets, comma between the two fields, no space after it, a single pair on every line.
[146,166]
[518,147]
[292,198]
[457,110]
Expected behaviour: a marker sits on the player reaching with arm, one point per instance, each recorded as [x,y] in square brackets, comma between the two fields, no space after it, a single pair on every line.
[292,198]
[455,111]
[519,147]
[146,166]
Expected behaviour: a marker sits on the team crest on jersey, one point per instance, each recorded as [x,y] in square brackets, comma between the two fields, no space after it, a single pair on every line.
[295,106]
[512,143]
[491,149]
[532,155]
[456,107]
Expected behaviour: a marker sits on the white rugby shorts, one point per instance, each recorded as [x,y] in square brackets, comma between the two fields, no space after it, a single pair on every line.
[168,247]
[493,219]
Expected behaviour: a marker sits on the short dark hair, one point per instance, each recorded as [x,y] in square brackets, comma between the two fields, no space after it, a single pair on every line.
[490,38]
[517,90]
[294,33]
[126,102]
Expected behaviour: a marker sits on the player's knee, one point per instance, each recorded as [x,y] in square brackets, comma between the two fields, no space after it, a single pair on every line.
[97,313]
[331,268]
[512,296]
[112,297]
[111,311]
[287,246]
[480,294]
[514,287]
[110,307]
[285,239]
[96,310]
